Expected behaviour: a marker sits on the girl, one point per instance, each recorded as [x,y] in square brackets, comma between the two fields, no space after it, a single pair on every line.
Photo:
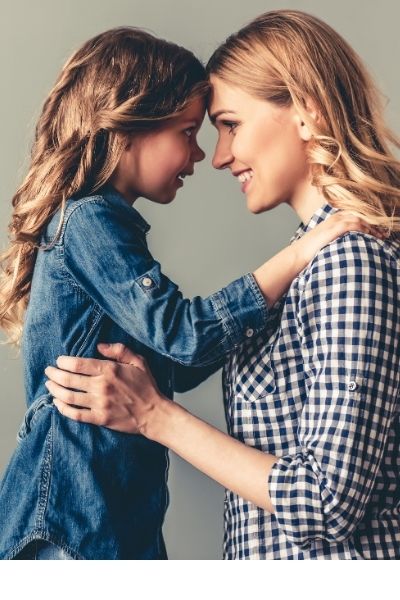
[312,404]
[121,122]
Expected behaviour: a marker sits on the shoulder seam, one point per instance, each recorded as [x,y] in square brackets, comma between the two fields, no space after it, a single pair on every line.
[71,209]
[379,248]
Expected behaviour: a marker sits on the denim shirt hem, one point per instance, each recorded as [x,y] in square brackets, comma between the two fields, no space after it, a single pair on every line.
[42,534]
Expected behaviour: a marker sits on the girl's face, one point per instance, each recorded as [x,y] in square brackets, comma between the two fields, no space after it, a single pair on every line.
[263,145]
[154,164]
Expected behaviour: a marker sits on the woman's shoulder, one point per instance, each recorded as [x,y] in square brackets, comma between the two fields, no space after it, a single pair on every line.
[357,251]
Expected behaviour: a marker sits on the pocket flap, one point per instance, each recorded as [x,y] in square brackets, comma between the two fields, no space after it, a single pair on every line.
[31,414]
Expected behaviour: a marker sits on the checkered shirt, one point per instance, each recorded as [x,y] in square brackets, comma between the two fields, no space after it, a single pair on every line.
[319,389]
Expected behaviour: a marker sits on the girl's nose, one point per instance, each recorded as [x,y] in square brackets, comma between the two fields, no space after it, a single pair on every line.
[198,154]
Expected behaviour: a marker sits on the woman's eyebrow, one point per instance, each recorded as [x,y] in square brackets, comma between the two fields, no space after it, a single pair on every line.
[213,116]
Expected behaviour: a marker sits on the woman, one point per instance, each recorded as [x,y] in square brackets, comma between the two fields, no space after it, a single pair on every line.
[312,403]
[121,122]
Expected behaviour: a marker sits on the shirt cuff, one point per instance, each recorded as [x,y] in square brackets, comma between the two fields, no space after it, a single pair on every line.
[242,309]
[295,495]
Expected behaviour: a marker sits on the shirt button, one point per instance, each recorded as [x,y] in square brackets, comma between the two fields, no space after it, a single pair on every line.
[249,332]
[147,282]
[352,386]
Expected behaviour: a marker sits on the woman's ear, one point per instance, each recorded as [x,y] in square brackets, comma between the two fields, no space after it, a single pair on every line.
[304,130]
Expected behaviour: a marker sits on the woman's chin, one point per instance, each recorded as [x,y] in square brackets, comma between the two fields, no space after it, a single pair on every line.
[256,206]
[259,205]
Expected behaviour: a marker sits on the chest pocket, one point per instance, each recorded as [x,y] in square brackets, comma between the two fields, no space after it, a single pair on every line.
[267,369]
[253,375]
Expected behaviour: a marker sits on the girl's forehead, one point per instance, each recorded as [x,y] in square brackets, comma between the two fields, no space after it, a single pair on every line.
[195,111]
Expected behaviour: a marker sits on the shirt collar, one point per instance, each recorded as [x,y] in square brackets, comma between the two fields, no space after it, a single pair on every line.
[112,195]
[321,214]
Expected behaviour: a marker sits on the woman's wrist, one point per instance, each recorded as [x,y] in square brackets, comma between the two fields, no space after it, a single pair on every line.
[161,419]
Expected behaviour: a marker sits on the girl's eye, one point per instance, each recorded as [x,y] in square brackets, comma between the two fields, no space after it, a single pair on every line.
[189,132]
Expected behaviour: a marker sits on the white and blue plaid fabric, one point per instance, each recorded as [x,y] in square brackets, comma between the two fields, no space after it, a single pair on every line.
[320,390]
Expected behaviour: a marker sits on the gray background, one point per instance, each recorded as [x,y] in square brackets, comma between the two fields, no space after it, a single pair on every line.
[206,237]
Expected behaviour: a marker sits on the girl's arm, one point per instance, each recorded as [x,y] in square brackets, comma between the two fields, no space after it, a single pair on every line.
[124,397]
[275,276]
[103,253]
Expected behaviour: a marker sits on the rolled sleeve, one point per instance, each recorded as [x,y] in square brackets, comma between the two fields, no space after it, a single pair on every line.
[350,324]
[107,257]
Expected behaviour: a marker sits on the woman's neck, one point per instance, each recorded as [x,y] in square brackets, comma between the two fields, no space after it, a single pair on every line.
[306,201]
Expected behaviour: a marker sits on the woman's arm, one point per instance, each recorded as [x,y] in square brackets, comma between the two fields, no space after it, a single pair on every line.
[349,317]
[124,397]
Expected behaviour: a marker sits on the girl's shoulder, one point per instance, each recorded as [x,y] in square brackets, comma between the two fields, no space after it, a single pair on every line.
[87,213]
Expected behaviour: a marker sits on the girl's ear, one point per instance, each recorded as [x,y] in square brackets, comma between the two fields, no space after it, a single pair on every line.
[128,142]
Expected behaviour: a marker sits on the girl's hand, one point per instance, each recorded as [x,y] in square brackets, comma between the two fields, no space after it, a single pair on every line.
[276,275]
[119,395]
[337,225]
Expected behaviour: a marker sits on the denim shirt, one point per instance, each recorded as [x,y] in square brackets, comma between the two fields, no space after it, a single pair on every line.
[96,493]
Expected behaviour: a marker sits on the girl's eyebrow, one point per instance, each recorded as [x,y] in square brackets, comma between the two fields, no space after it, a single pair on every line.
[213,116]
[191,123]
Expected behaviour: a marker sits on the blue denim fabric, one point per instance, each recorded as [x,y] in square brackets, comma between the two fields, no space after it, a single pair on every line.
[42,550]
[96,493]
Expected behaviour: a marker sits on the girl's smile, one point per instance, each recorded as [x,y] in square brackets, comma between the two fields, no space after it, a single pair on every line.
[155,164]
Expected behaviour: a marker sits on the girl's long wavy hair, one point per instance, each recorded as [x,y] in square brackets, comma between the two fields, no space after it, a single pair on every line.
[118,83]
[292,58]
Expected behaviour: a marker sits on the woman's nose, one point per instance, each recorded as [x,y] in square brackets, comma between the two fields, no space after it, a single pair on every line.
[222,156]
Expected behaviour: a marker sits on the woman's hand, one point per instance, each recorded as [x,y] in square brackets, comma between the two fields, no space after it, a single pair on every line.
[335,226]
[123,396]
[119,395]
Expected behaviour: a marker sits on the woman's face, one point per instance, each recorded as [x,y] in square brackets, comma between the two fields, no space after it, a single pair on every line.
[263,145]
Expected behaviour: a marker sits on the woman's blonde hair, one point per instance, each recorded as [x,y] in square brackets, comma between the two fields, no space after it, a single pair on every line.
[118,83]
[292,58]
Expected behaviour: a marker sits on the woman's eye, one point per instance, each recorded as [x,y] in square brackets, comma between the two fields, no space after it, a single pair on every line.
[188,132]
[231,126]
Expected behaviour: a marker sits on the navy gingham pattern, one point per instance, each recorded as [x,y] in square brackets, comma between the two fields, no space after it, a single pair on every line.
[319,389]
